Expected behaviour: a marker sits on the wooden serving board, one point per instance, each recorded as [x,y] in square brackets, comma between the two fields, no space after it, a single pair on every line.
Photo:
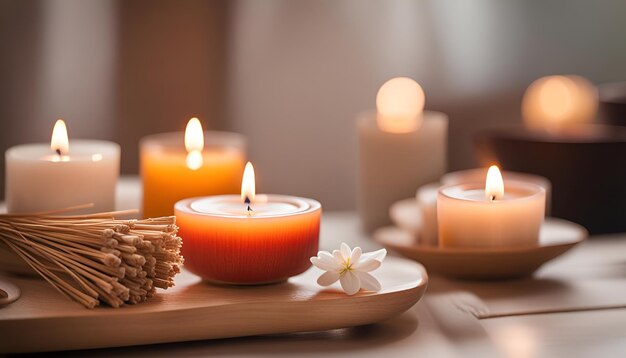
[43,320]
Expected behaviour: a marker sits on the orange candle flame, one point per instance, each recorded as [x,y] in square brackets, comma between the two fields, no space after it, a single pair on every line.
[494,185]
[59,141]
[248,186]
[194,143]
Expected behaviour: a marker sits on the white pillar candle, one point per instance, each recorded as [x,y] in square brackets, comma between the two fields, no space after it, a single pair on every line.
[496,216]
[427,201]
[42,177]
[478,175]
[401,147]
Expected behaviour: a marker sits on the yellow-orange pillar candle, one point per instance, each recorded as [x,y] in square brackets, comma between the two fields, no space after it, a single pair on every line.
[176,166]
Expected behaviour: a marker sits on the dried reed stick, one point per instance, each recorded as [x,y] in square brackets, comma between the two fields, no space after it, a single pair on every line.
[96,258]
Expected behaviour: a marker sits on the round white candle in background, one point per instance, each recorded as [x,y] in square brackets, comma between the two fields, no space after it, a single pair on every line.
[64,173]
[489,215]
[427,201]
[478,175]
[401,147]
[552,102]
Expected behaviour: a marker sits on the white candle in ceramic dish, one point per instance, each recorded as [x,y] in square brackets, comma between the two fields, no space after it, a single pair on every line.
[478,175]
[64,173]
[401,147]
[494,216]
[427,201]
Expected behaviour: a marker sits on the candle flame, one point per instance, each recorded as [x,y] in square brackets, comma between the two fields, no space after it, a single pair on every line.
[494,185]
[59,142]
[400,105]
[248,189]
[194,143]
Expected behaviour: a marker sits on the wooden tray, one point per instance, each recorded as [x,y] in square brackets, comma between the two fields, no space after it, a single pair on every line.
[43,320]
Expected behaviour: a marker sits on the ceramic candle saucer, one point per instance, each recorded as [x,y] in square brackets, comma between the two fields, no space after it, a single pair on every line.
[557,236]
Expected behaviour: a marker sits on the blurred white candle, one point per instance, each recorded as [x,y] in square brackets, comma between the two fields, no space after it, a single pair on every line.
[496,216]
[427,201]
[41,176]
[401,147]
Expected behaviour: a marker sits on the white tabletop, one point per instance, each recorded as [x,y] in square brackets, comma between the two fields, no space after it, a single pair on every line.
[436,327]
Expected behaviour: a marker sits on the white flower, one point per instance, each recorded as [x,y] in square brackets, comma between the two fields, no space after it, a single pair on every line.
[350,267]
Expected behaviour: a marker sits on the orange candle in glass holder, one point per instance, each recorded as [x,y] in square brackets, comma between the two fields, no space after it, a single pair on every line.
[176,166]
[248,239]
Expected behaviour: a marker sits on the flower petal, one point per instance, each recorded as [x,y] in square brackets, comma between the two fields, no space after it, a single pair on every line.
[368,282]
[355,256]
[376,255]
[323,264]
[367,265]
[350,283]
[328,278]
[339,258]
[345,251]
[327,262]
[326,256]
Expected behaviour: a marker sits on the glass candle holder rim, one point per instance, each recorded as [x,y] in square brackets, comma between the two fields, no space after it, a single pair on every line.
[176,140]
[534,190]
[367,119]
[312,205]
[448,178]
[41,151]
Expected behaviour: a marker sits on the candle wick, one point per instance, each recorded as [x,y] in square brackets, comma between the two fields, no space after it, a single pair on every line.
[492,197]
[247,201]
[58,150]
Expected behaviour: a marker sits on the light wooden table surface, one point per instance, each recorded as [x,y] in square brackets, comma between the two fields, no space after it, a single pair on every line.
[594,326]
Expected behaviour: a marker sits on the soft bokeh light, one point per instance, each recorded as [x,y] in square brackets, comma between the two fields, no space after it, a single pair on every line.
[96,157]
[517,341]
[194,160]
[59,141]
[494,185]
[248,186]
[554,101]
[400,104]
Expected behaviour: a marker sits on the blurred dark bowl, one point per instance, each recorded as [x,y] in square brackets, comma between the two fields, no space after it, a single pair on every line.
[586,165]
[612,106]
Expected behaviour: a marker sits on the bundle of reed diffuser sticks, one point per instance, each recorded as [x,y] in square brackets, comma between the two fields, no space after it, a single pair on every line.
[97,258]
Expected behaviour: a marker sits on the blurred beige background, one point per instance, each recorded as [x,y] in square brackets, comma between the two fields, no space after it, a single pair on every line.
[291,75]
